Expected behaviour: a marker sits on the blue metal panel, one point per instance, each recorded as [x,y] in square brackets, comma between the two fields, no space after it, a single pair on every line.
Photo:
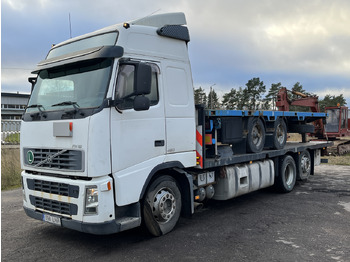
[269,115]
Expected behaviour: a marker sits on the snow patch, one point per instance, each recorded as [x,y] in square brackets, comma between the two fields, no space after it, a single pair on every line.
[287,243]
[345,205]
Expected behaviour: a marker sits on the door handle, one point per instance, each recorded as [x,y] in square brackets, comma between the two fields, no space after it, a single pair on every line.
[158,143]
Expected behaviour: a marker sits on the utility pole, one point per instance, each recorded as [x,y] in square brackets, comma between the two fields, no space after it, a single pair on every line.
[70,27]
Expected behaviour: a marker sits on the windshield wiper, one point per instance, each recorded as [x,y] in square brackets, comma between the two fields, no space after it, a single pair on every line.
[36,106]
[67,103]
[39,108]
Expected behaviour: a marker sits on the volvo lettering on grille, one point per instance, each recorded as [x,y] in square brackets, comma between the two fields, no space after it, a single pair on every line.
[52,158]
[49,158]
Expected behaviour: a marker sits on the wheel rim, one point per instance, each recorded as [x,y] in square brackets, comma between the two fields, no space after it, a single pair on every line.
[289,175]
[280,134]
[305,164]
[164,205]
[257,135]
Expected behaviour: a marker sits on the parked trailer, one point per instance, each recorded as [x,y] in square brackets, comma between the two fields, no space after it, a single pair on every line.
[111,135]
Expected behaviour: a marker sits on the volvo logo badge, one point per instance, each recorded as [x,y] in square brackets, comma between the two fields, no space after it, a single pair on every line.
[30,157]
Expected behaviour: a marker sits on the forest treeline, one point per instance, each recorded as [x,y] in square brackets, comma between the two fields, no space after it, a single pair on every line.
[252,97]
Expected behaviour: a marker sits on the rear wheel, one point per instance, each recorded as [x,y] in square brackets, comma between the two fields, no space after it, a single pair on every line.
[256,135]
[280,134]
[285,182]
[162,206]
[304,166]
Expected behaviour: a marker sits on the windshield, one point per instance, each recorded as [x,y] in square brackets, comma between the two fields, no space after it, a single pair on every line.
[332,120]
[80,85]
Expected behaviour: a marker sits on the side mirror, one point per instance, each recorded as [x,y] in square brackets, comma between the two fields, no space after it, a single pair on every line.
[141,103]
[32,80]
[143,79]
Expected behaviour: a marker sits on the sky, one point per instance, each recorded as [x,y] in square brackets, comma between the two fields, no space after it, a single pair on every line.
[232,41]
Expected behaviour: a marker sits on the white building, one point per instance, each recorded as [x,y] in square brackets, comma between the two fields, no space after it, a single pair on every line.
[13,105]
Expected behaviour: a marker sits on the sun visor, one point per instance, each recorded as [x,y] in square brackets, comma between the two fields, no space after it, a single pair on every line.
[87,54]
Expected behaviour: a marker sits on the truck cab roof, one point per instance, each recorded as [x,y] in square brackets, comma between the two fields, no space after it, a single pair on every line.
[162,36]
[157,21]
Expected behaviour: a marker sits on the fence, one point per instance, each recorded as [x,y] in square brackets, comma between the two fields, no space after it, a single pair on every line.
[10,132]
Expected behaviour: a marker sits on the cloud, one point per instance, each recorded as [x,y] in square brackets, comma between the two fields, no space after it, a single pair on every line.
[345,91]
[294,35]
[232,41]
[15,80]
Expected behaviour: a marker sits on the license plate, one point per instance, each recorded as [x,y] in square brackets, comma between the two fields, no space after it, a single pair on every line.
[52,219]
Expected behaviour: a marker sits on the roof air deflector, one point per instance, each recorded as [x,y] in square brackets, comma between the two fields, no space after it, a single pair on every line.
[161,20]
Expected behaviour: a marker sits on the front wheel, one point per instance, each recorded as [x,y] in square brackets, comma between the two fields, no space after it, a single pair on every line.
[286,179]
[162,206]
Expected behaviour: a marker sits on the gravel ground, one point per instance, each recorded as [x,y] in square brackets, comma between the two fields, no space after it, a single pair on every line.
[312,223]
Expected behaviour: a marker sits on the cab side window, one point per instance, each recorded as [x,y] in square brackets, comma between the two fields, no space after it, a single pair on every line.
[125,86]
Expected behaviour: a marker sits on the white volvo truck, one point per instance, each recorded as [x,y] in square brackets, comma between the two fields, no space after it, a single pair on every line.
[111,135]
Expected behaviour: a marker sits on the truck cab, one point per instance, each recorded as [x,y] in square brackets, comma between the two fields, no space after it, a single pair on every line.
[100,123]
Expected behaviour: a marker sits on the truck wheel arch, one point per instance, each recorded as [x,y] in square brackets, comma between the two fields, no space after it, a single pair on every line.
[174,169]
[162,205]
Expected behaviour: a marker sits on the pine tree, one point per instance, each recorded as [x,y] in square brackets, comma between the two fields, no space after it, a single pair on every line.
[200,97]
[330,100]
[213,100]
[298,88]
[252,94]
[270,98]
[230,100]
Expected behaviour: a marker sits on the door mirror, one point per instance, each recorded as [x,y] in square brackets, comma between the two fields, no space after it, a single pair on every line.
[32,80]
[141,103]
[143,79]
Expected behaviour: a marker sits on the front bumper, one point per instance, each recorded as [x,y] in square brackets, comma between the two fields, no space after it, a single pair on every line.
[104,228]
[64,198]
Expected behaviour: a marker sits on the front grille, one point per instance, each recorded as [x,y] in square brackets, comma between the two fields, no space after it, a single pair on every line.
[54,206]
[59,159]
[53,187]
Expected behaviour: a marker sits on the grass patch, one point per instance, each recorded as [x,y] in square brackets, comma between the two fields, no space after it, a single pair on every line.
[343,160]
[10,168]
[294,137]
[13,138]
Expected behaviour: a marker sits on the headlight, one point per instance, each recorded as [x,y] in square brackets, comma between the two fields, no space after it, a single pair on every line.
[91,200]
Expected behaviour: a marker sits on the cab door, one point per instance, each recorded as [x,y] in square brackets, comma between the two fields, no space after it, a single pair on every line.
[137,137]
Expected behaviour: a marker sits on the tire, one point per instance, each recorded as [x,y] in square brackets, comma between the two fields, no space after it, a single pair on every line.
[162,206]
[256,135]
[280,134]
[304,166]
[286,179]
